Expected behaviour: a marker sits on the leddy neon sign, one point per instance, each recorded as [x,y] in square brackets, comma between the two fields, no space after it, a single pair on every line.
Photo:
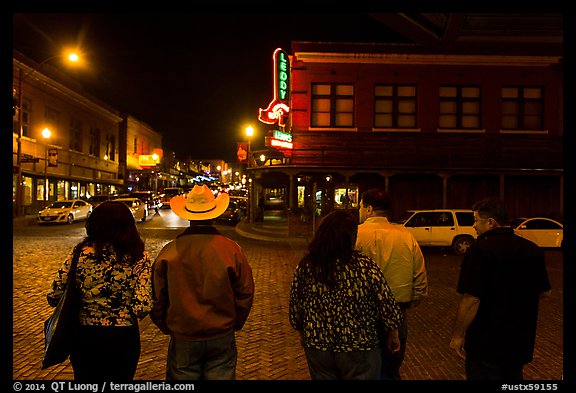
[277,110]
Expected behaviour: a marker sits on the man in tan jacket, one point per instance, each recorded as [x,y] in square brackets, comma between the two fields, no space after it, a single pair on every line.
[398,254]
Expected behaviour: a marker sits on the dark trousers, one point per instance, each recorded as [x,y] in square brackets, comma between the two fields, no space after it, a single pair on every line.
[391,362]
[479,370]
[328,365]
[106,353]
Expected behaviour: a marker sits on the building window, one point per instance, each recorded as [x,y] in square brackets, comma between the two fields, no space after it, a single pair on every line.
[395,106]
[26,117]
[522,108]
[111,147]
[332,105]
[460,107]
[135,146]
[76,135]
[94,145]
[51,119]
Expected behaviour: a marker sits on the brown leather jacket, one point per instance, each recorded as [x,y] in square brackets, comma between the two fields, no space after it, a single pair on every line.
[203,285]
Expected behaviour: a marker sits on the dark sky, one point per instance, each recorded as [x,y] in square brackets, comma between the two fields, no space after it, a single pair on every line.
[198,79]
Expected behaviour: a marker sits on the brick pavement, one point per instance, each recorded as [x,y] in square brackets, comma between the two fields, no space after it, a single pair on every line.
[268,348]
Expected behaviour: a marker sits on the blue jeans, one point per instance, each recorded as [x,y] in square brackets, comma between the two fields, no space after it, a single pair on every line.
[203,359]
[343,365]
[391,362]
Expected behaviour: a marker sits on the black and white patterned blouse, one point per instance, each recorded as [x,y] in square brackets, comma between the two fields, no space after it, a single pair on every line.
[114,293]
[347,317]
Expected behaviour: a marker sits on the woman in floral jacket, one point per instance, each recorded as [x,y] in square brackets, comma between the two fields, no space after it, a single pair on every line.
[113,278]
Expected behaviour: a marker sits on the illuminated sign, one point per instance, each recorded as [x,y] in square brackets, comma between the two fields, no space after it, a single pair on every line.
[148,160]
[280,143]
[277,110]
[283,136]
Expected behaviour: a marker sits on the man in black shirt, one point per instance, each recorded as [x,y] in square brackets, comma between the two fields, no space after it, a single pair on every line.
[502,278]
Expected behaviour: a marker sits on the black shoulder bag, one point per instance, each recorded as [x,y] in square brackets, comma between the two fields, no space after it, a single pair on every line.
[61,326]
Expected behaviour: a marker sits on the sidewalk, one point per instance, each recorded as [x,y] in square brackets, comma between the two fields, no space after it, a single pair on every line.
[274,228]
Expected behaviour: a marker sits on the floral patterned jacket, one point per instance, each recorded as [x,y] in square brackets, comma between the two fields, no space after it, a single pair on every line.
[113,292]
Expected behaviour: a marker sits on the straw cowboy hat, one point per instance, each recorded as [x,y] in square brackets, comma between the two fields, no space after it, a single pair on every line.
[199,204]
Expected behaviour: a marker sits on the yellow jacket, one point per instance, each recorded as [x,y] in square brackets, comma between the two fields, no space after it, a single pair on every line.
[397,253]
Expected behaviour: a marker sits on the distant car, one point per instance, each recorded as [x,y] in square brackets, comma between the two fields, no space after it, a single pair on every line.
[95,200]
[65,211]
[138,208]
[152,200]
[545,232]
[168,193]
[441,228]
[233,214]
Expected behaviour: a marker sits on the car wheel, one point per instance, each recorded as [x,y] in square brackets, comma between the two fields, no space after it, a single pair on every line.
[70,219]
[462,244]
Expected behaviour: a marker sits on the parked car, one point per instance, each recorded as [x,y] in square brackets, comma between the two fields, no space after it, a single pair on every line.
[545,232]
[65,211]
[95,200]
[441,228]
[168,193]
[233,214]
[152,200]
[139,208]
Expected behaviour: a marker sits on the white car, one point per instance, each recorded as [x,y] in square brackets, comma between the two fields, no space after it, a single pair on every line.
[545,232]
[138,207]
[441,228]
[66,211]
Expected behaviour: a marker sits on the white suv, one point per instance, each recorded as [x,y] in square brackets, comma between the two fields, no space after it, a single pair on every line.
[441,227]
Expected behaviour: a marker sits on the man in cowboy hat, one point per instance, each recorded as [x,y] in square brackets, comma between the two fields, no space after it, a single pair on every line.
[203,291]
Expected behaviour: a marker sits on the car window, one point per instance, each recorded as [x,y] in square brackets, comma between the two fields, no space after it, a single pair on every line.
[61,205]
[420,220]
[540,224]
[80,203]
[442,219]
[465,219]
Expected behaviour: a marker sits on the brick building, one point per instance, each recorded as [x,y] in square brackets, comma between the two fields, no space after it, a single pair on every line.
[437,129]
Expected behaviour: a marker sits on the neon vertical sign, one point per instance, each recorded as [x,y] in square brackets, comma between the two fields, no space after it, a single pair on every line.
[277,110]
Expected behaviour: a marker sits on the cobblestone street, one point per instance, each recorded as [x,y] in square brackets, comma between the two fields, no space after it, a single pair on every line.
[268,347]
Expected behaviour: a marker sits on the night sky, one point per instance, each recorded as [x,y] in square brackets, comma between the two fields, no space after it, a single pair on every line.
[198,79]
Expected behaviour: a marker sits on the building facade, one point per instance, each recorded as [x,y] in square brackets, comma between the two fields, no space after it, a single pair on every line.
[78,156]
[435,130]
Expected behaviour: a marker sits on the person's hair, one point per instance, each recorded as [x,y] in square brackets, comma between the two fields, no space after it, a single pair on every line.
[378,199]
[112,223]
[494,208]
[333,243]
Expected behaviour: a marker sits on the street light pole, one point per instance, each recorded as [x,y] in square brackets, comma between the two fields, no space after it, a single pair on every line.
[46,135]
[21,77]
[251,196]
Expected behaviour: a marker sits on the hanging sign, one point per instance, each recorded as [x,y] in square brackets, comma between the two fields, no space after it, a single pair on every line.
[278,109]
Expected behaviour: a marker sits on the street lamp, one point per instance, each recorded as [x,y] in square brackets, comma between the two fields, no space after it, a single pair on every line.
[249,134]
[46,135]
[72,57]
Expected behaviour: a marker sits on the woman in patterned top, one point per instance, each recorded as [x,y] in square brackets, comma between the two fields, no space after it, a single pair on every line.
[113,277]
[339,302]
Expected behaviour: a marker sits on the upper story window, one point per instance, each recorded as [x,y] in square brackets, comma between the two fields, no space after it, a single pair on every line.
[332,105]
[460,107]
[395,106]
[522,108]
[94,145]
[75,135]
[135,146]
[111,147]
[25,117]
